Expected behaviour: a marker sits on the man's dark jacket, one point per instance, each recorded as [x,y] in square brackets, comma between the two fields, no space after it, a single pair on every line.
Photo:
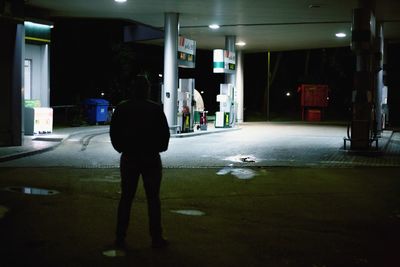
[139,127]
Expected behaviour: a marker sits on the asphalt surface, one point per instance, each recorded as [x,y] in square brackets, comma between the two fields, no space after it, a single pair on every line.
[283,194]
[273,217]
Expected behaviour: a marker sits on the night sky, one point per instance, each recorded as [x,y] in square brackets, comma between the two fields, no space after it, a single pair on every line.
[89,57]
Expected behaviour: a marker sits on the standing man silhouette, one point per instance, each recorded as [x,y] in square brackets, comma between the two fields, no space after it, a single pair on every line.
[139,130]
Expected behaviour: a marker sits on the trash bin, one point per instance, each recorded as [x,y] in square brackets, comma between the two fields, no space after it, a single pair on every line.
[96,110]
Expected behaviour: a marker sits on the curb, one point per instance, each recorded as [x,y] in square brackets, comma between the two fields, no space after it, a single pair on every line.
[197,133]
[55,144]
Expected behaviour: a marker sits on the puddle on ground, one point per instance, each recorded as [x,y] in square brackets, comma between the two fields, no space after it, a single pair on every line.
[114,253]
[189,212]
[243,174]
[224,171]
[32,190]
[240,173]
[3,211]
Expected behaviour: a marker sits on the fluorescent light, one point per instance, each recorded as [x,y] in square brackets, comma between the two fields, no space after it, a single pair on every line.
[240,43]
[120,1]
[37,25]
[340,35]
[214,26]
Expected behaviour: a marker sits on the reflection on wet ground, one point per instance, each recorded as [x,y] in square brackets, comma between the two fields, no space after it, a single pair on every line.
[31,190]
[114,253]
[240,173]
[189,212]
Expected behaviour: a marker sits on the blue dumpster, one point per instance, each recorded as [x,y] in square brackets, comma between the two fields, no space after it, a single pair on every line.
[96,110]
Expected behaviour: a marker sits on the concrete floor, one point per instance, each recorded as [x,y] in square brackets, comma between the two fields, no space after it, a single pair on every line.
[254,144]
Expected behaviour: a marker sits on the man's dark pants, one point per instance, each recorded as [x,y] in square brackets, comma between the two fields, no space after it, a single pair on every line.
[131,167]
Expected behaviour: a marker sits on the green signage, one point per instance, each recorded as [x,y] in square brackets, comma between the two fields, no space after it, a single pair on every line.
[36,32]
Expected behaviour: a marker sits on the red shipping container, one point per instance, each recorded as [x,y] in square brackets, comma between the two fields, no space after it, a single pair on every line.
[314,95]
[313,115]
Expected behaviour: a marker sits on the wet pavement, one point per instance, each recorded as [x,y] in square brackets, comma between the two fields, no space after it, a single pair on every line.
[280,217]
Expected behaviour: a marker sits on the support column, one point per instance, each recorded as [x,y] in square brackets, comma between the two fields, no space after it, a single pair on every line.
[363,29]
[385,93]
[171,32]
[240,86]
[379,78]
[11,81]
[230,42]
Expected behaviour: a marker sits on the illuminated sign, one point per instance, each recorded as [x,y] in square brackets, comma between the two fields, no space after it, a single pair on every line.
[224,61]
[37,33]
[43,120]
[186,53]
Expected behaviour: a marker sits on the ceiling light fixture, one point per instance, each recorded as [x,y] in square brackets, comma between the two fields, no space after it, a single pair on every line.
[214,26]
[340,35]
[120,1]
[240,43]
[37,25]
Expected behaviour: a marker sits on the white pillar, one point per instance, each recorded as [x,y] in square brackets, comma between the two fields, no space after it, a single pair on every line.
[171,31]
[379,78]
[230,46]
[17,94]
[231,77]
[45,76]
[239,86]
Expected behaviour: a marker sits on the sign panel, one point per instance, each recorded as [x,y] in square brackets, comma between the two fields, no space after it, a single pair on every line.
[38,120]
[186,53]
[224,61]
[43,120]
[37,33]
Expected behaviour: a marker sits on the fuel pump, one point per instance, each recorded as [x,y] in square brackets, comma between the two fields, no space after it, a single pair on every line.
[225,117]
[185,104]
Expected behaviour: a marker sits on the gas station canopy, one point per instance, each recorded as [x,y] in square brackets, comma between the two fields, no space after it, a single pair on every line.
[262,24]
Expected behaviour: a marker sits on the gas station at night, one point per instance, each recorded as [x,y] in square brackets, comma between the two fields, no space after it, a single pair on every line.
[309,192]
[365,26]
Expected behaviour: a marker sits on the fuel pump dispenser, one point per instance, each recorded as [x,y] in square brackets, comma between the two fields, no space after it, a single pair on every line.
[185,104]
[225,117]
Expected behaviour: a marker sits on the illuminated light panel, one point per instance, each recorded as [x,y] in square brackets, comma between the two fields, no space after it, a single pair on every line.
[214,26]
[37,25]
[240,43]
[120,1]
[340,35]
